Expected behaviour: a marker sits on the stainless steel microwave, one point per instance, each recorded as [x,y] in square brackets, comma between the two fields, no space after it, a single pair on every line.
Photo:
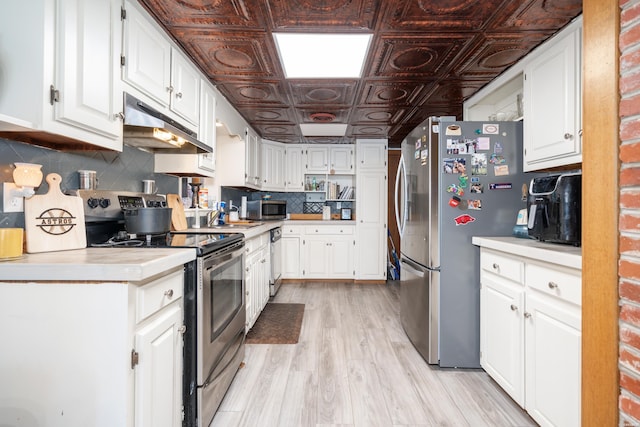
[266,209]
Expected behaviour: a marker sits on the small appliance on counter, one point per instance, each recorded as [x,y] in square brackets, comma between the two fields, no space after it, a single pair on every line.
[266,209]
[554,208]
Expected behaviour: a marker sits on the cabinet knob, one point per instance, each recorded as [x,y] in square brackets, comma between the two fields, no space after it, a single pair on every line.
[182,329]
[179,95]
[553,285]
[496,266]
[514,307]
[169,88]
[246,269]
[527,314]
[568,136]
[168,293]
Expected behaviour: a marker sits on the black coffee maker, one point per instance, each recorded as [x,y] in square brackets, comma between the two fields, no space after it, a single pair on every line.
[554,205]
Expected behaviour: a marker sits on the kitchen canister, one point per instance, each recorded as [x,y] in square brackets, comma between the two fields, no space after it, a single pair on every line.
[88,180]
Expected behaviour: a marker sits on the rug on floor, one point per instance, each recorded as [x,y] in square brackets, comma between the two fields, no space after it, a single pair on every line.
[278,323]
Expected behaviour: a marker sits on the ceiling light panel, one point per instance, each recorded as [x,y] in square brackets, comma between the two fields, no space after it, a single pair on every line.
[318,56]
[323,129]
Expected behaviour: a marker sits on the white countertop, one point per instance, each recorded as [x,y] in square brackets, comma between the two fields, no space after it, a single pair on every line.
[249,232]
[319,222]
[554,253]
[95,264]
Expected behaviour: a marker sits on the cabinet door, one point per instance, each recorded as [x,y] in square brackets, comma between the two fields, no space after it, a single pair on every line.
[340,253]
[291,257]
[295,161]
[147,57]
[553,361]
[185,85]
[341,160]
[502,334]
[371,155]
[552,105]
[317,159]
[158,375]
[252,281]
[253,159]
[371,231]
[207,126]
[88,60]
[278,166]
[316,257]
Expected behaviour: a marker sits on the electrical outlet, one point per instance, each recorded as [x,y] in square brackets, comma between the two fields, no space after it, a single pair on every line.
[11,203]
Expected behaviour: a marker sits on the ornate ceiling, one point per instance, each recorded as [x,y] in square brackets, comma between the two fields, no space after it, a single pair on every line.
[426,56]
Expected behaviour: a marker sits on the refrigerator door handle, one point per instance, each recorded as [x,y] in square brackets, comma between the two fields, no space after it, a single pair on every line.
[411,269]
[401,173]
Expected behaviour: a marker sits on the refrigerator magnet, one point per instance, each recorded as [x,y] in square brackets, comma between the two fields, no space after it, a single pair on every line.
[501,170]
[491,129]
[475,204]
[463,180]
[476,187]
[453,130]
[452,188]
[463,219]
[454,202]
[500,186]
[479,164]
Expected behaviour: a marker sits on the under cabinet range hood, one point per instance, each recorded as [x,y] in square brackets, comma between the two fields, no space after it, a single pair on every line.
[147,128]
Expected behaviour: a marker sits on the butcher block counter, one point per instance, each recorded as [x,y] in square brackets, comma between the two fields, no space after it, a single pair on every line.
[95,264]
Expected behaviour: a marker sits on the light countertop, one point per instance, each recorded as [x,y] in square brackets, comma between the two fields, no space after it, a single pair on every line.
[95,264]
[554,253]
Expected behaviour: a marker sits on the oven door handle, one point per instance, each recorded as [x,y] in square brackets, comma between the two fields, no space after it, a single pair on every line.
[216,261]
[213,375]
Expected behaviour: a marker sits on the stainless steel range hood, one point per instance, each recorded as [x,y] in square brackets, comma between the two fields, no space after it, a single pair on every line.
[147,128]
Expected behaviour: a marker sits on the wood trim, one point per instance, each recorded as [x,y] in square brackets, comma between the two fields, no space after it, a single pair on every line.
[600,196]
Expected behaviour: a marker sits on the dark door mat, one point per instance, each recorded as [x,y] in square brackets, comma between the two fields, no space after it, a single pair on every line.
[277,324]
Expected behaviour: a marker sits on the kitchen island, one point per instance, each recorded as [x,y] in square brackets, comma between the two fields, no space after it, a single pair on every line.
[93,337]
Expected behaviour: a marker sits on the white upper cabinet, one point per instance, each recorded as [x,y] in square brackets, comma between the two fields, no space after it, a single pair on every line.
[60,75]
[371,154]
[295,160]
[338,159]
[147,56]
[273,174]
[185,87]
[552,103]
[158,70]
[317,158]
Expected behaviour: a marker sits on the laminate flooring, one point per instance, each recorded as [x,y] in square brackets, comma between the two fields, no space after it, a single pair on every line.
[354,366]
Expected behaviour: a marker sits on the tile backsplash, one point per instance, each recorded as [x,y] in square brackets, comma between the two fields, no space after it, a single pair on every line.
[115,171]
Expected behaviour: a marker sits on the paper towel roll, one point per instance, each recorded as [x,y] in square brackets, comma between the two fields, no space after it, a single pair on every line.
[326,212]
[243,207]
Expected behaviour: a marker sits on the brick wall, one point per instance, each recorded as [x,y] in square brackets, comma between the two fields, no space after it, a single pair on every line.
[629,268]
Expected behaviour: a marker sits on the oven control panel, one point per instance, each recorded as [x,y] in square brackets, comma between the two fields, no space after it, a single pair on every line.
[109,204]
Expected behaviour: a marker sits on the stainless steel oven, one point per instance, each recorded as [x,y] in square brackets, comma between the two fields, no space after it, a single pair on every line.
[220,326]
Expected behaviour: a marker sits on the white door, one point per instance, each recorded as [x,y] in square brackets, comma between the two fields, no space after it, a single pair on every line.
[340,254]
[291,254]
[371,230]
[158,375]
[553,361]
[316,257]
[502,335]
[551,92]
[147,57]
[341,160]
[317,159]
[207,125]
[87,66]
[185,85]
[295,162]
[371,155]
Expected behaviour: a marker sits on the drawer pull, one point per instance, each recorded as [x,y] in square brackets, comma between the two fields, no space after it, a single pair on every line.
[514,307]
[553,285]
[527,314]
[168,293]
[496,266]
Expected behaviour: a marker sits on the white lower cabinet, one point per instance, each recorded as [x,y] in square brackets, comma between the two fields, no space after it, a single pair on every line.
[92,354]
[320,251]
[291,251]
[257,270]
[530,328]
[328,252]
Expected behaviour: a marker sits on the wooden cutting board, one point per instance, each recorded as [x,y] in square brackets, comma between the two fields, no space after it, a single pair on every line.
[54,221]
[178,217]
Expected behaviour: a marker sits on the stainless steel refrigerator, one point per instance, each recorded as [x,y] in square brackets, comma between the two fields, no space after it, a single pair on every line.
[456,180]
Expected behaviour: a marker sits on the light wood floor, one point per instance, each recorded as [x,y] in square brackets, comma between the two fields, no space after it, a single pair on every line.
[354,366]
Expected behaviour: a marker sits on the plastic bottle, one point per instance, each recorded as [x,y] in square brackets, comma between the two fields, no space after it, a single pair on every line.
[221,216]
[313,184]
